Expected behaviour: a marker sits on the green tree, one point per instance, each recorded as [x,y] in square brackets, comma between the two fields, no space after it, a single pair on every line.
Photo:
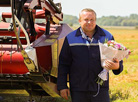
[131,20]
[0,18]
[69,19]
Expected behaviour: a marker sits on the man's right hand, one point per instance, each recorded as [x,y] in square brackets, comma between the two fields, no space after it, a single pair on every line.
[65,93]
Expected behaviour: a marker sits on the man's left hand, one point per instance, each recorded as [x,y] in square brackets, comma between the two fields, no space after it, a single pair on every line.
[112,65]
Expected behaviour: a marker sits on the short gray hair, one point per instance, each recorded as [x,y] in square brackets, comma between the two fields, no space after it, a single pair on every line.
[87,10]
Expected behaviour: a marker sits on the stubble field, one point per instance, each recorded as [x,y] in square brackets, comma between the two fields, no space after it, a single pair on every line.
[123,87]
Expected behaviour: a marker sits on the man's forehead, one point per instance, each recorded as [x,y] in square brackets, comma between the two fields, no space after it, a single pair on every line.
[86,14]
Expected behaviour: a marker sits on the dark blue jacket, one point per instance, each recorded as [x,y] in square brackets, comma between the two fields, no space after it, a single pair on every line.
[82,61]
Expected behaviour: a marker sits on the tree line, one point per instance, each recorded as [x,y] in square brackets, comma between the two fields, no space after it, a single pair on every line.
[131,20]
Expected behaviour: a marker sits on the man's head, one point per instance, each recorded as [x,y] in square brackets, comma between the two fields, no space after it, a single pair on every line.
[87,20]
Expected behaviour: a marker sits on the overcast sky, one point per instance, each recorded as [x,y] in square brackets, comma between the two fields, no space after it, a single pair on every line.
[102,7]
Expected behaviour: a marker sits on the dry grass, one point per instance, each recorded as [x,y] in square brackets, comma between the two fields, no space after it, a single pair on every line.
[124,87]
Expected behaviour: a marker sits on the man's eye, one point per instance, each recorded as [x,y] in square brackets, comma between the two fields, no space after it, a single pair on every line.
[86,19]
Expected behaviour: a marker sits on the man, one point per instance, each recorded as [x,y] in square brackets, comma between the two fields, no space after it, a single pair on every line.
[80,58]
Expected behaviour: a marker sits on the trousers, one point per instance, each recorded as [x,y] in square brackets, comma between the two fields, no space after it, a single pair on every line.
[88,96]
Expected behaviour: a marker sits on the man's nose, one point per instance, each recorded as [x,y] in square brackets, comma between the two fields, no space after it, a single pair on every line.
[89,21]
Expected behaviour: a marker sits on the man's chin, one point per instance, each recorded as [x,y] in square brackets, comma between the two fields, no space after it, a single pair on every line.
[88,30]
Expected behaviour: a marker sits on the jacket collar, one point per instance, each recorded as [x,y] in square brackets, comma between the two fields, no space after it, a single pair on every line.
[99,32]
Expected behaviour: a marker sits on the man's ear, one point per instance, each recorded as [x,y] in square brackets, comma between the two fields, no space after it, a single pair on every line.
[79,20]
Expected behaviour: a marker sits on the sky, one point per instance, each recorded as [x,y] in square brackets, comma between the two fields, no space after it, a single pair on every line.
[102,7]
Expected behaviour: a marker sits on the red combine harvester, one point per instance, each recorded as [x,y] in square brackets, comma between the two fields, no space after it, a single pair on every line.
[29,51]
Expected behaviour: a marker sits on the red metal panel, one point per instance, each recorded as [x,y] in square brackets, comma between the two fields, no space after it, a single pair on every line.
[11,62]
[44,57]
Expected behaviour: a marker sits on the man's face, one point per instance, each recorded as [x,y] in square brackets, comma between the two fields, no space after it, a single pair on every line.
[87,21]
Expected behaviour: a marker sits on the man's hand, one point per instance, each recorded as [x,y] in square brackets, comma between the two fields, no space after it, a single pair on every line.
[112,65]
[65,93]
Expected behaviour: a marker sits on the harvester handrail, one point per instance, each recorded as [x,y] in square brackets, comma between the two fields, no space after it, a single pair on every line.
[26,34]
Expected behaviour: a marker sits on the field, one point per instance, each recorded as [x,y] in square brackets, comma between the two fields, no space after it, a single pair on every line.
[123,87]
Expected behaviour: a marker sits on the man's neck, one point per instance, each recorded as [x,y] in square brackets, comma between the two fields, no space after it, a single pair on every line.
[90,34]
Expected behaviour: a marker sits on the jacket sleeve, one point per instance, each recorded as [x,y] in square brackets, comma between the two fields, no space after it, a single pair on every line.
[65,60]
[116,72]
